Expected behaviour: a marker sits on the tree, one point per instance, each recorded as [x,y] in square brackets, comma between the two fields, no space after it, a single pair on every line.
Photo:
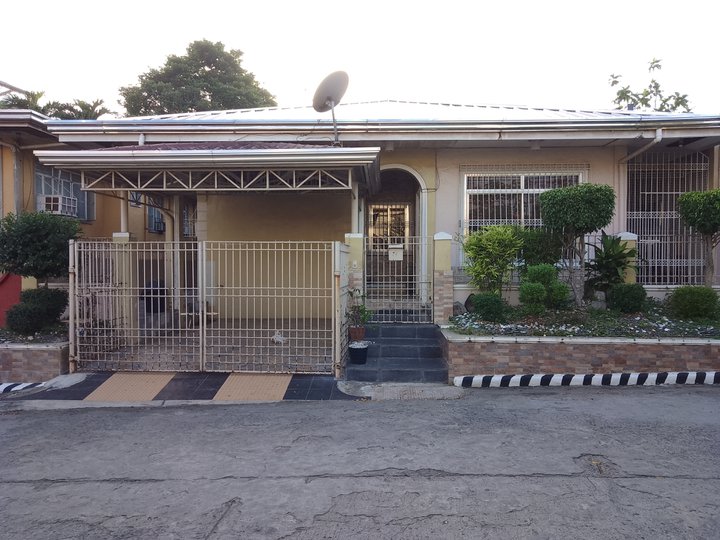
[701,211]
[651,97]
[574,212]
[207,78]
[77,110]
[36,244]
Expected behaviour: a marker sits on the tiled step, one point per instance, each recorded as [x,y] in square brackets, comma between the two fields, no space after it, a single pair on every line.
[401,353]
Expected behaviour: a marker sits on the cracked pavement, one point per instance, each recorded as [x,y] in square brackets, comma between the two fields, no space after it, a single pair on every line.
[499,463]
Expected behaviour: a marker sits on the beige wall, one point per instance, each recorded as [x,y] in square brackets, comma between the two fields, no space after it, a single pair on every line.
[602,166]
[279,216]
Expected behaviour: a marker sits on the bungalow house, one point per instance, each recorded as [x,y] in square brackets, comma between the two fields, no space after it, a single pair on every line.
[271,216]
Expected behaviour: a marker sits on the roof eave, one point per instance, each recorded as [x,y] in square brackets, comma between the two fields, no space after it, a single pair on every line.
[285,158]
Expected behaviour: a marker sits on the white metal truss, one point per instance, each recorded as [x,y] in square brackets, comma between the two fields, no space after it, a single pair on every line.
[219,180]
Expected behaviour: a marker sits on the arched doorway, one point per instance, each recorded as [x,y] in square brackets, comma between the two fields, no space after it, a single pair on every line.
[397,286]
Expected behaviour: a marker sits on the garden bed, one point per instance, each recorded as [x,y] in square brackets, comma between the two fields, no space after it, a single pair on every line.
[581,341]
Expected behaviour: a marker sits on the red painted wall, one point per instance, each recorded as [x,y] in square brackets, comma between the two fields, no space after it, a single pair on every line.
[9,293]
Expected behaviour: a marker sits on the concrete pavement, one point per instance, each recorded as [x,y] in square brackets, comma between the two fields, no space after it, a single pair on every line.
[498,463]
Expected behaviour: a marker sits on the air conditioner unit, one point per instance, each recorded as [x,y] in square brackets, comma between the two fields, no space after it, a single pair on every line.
[58,204]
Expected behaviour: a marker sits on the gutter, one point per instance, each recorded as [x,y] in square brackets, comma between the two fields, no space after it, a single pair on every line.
[657,139]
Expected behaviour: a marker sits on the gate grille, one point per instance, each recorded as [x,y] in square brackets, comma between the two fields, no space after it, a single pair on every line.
[212,306]
[398,282]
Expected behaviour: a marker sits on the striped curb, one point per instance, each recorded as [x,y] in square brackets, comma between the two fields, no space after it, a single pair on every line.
[12,387]
[607,379]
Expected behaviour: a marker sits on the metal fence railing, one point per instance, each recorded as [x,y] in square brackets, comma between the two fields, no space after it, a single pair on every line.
[213,306]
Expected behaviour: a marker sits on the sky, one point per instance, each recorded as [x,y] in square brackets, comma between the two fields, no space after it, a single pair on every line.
[548,53]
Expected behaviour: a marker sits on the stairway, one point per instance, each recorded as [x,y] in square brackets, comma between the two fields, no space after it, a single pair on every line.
[401,353]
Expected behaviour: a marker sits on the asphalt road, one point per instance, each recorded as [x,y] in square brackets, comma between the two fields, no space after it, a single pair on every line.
[501,463]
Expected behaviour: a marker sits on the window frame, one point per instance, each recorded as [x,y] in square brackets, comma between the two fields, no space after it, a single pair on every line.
[522,174]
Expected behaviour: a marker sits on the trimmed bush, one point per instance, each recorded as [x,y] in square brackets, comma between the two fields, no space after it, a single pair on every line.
[557,294]
[25,318]
[626,297]
[53,301]
[532,296]
[693,302]
[546,274]
[489,307]
[540,246]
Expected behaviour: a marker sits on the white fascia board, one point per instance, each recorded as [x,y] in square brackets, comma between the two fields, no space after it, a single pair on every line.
[292,158]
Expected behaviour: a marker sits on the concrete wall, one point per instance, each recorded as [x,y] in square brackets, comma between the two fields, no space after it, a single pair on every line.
[603,169]
[279,216]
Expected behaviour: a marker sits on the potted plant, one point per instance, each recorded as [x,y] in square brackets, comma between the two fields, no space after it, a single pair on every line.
[358,315]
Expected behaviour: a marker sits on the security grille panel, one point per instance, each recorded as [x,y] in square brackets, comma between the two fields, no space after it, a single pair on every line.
[669,252]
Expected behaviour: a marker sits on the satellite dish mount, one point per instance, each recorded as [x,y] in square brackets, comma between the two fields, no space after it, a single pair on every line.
[329,94]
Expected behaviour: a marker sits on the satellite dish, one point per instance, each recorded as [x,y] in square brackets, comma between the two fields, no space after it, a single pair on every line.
[329,94]
[330,91]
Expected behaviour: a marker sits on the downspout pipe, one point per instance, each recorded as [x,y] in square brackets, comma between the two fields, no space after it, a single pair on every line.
[648,146]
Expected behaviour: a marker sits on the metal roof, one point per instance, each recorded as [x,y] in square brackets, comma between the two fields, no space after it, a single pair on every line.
[399,122]
[414,111]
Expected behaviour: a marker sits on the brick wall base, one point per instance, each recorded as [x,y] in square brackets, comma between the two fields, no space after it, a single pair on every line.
[468,355]
[33,363]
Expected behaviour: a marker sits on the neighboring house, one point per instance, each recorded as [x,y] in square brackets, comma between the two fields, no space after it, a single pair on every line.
[28,186]
[402,173]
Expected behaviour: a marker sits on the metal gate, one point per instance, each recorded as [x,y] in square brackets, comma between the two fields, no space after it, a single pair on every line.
[398,278]
[205,306]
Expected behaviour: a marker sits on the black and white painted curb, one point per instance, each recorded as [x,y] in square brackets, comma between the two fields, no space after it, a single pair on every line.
[12,387]
[606,379]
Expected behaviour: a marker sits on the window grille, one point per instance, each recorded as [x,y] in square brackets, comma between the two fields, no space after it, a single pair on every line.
[389,224]
[510,195]
[135,199]
[59,192]
[669,253]
[155,220]
[189,217]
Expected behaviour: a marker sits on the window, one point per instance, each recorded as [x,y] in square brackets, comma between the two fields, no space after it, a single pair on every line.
[389,224]
[155,221]
[510,195]
[59,192]
[135,199]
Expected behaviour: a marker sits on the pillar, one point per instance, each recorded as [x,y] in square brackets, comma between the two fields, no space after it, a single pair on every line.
[442,278]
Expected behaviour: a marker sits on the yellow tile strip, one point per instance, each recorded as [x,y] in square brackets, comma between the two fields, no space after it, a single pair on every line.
[253,387]
[140,386]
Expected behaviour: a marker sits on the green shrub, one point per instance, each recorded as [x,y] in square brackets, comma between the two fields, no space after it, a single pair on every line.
[612,259]
[489,306]
[693,302]
[532,296]
[626,297]
[558,295]
[490,254]
[25,318]
[546,274]
[53,301]
[539,246]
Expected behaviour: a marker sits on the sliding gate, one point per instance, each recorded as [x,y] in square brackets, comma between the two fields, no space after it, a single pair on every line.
[205,306]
